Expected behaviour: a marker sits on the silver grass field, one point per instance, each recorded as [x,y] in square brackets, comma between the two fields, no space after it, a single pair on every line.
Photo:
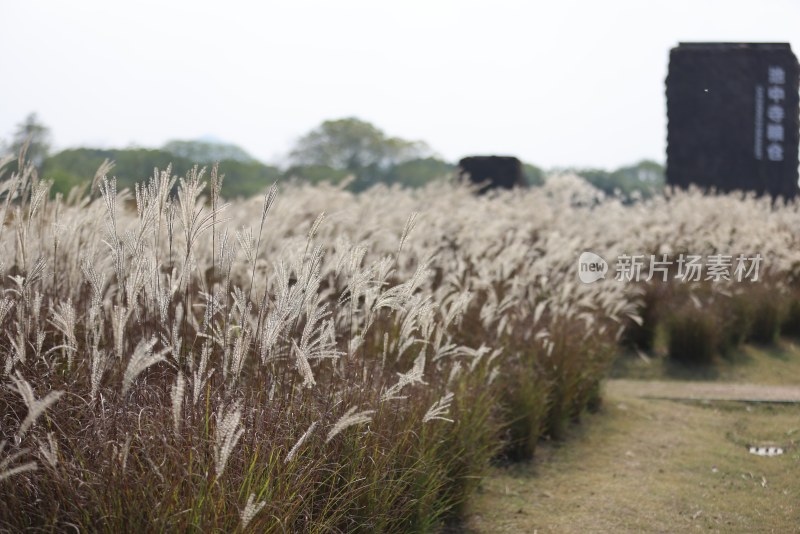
[319,361]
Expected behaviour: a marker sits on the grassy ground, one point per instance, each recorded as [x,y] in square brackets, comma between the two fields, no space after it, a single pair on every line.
[778,365]
[645,465]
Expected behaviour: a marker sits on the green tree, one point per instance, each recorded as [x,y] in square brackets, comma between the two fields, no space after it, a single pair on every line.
[77,166]
[316,174]
[645,172]
[534,176]
[207,151]
[246,178]
[37,137]
[354,145]
[643,179]
[420,171]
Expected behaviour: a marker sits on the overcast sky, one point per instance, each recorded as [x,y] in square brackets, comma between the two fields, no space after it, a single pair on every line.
[556,83]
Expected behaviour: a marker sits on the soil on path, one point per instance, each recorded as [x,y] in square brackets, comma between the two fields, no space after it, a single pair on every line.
[703,391]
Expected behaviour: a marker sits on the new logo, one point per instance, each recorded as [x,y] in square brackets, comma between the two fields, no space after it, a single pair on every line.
[591,267]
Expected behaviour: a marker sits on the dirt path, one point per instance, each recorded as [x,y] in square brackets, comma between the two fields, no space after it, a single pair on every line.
[647,463]
[702,391]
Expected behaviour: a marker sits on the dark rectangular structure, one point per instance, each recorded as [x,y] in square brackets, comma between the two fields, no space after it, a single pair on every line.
[732,112]
[492,172]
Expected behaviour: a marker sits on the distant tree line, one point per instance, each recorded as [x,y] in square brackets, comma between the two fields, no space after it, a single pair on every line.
[643,179]
[74,166]
[349,152]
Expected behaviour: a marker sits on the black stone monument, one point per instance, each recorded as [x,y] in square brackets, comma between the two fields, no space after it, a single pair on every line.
[492,172]
[732,112]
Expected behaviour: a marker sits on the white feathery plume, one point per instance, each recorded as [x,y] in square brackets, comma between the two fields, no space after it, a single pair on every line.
[5,306]
[457,308]
[36,272]
[177,392]
[359,278]
[240,349]
[96,281]
[64,321]
[477,355]
[5,472]
[455,371]
[449,350]
[98,366]
[350,418]
[318,340]
[20,344]
[537,314]
[142,358]
[303,438]
[303,366]
[269,199]
[411,377]
[36,407]
[118,319]
[227,434]
[37,195]
[250,510]
[200,377]
[123,452]
[40,337]
[495,372]
[101,173]
[49,450]
[247,243]
[410,224]
[355,344]
[35,307]
[420,311]
[314,227]
[439,409]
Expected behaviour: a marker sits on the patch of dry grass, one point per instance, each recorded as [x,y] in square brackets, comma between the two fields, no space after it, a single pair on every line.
[653,466]
[661,466]
[773,365]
